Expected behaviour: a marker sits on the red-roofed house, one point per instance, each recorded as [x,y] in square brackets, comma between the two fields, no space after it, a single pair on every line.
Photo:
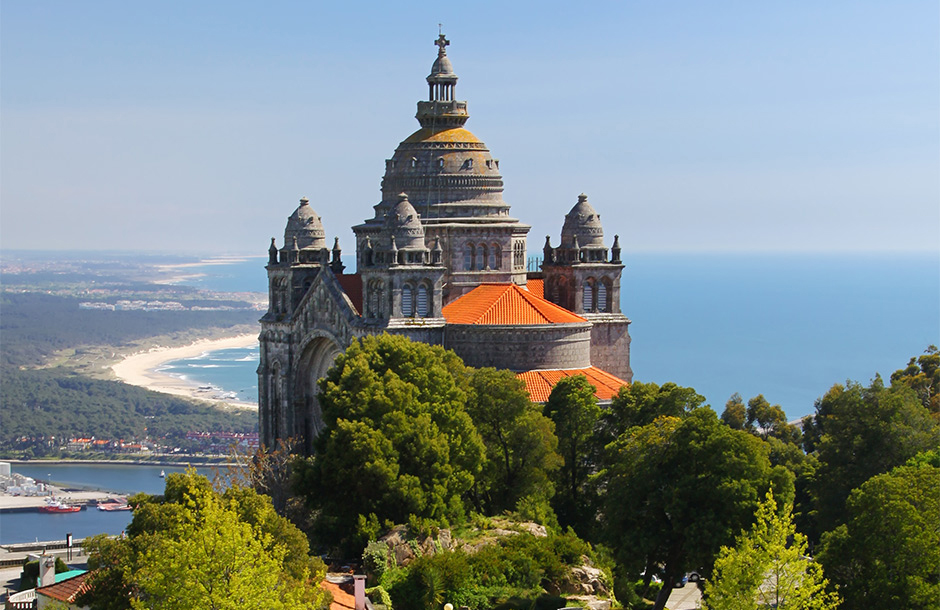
[64,591]
[348,592]
[441,261]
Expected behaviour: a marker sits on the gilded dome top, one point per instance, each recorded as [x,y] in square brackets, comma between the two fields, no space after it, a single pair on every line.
[403,222]
[584,223]
[305,225]
[430,135]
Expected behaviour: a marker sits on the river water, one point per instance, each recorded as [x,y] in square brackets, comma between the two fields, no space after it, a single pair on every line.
[122,479]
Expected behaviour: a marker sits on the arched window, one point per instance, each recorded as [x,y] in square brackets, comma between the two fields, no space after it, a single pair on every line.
[602,304]
[468,257]
[407,301]
[481,257]
[440,163]
[414,162]
[518,255]
[376,298]
[588,296]
[494,256]
[423,302]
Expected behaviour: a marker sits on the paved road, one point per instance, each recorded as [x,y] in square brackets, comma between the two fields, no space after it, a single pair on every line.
[686,598]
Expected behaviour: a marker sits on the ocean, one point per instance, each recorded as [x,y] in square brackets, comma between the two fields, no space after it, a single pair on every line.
[231,373]
[787,326]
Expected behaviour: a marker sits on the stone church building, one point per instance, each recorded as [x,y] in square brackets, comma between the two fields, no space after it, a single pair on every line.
[441,261]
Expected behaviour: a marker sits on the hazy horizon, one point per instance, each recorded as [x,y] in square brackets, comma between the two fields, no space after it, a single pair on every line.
[727,128]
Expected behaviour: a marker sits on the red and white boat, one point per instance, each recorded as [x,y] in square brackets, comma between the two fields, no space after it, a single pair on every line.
[113,504]
[57,506]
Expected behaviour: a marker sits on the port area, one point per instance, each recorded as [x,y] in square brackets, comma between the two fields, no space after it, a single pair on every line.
[23,504]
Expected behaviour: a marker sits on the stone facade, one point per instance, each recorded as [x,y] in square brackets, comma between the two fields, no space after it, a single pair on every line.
[441,230]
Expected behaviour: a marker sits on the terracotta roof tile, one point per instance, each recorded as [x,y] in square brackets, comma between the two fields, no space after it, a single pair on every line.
[341,599]
[66,590]
[506,304]
[539,383]
[536,286]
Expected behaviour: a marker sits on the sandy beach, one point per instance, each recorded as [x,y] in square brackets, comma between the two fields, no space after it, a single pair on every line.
[140,369]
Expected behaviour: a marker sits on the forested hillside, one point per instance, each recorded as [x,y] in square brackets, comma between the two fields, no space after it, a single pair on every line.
[38,403]
[34,325]
[55,402]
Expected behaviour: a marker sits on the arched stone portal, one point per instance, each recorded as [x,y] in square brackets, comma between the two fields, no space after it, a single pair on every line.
[317,358]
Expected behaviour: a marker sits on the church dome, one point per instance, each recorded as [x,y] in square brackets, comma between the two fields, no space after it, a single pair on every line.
[447,171]
[403,222]
[305,225]
[583,223]
[442,67]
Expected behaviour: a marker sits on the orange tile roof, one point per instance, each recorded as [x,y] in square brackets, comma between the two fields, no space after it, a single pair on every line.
[506,304]
[341,599]
[66,590]
[536,286]
[539,383]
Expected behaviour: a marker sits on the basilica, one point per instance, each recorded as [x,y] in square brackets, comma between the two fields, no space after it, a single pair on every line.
[441,261]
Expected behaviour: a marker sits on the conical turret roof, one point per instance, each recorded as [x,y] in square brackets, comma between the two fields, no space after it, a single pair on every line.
[304,224]
[582,226]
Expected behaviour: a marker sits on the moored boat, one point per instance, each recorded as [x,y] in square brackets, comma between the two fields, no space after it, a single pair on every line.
[56,506]
[114,504]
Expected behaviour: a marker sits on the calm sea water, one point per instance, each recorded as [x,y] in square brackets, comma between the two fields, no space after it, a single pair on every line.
[231,373]
[123,479]
[788,326]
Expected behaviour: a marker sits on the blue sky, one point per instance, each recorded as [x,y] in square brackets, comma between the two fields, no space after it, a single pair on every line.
[741,126]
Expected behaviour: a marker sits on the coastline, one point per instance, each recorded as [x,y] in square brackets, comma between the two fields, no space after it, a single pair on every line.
[140,369]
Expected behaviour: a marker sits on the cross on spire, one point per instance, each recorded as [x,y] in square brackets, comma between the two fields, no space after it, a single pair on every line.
[441,42]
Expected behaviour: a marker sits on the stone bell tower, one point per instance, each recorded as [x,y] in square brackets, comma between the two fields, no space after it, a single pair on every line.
[583,276]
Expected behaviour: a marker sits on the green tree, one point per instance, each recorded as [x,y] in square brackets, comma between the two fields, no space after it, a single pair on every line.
[887,554]
[735,412]
[679,489]
[768,567]
[573,407]
[398,439]
[863,432]
[638,404]
[521,447]
[196,548]
[922,375]
[769,421]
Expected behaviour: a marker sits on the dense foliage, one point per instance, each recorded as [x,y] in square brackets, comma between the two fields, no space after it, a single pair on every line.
[887,553]
[194,547]
[516,572]
[768,567]
[678,489]
[573,407]
[859,432]
[398,439]
[520,444]
[56,402]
